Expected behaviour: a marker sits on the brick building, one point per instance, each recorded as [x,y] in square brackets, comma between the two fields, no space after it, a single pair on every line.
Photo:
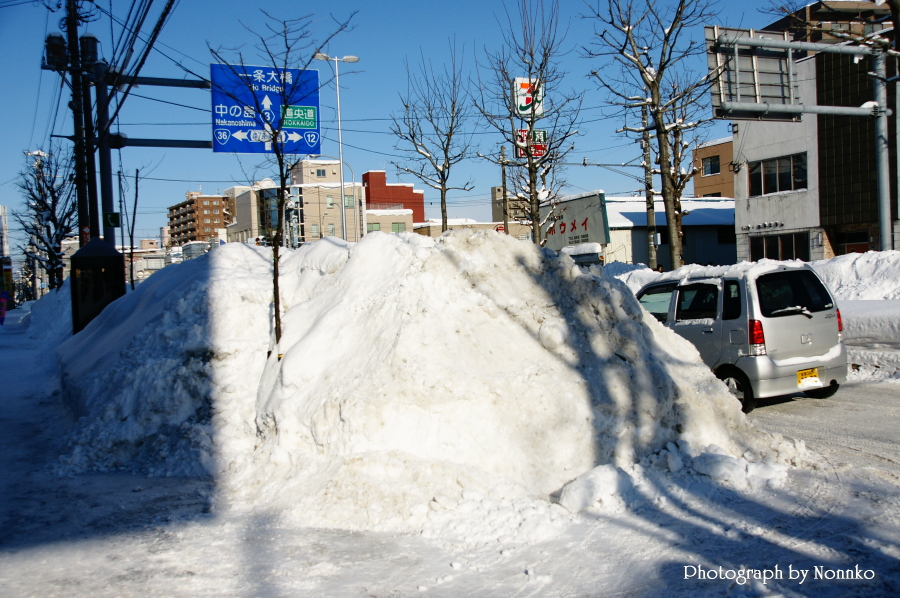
[715,178]
[381,195]
[199,217]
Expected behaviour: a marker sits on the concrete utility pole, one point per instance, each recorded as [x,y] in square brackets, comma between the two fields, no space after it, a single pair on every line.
[503,182]
[77,106]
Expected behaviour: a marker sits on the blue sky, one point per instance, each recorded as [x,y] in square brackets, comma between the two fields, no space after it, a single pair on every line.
[385,34]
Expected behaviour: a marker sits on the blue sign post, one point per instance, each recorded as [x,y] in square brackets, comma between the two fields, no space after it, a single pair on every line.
[251,103]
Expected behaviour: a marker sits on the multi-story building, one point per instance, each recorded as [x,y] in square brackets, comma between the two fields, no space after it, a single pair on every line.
[381,195]
[200,217]
[516,208]
[808,189]
[389,221]
[715,171]
[312,211]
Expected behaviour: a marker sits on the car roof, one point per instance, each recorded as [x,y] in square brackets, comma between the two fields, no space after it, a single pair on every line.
[694,273]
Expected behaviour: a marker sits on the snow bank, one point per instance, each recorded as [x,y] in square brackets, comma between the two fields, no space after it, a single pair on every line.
[870,275]
[418,377]
[51,316]
[871,323]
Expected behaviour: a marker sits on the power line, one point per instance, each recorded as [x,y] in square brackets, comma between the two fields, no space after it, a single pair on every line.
[170,103]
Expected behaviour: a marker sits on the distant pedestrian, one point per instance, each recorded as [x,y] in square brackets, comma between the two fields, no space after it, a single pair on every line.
[659,268]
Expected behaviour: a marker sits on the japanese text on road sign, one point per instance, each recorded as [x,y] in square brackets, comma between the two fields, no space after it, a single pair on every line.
[255,107]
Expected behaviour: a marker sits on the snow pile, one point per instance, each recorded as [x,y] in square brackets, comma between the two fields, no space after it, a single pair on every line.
[51,316]
[871,323]
[870,275]
[419,378]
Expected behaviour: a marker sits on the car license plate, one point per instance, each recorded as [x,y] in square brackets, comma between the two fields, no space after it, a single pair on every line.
[804,374]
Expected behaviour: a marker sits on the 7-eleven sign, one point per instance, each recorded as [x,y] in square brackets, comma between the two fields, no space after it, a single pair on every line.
[528,96]
[538,143]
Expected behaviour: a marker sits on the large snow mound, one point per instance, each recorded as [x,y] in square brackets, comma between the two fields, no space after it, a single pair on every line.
[414,374]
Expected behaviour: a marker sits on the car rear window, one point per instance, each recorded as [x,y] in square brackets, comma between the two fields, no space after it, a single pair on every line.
[779,292]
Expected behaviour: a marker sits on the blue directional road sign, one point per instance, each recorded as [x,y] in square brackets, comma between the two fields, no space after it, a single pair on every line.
[251,103]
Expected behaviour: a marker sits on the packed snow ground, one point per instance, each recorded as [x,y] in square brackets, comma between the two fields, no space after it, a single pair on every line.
[432,429]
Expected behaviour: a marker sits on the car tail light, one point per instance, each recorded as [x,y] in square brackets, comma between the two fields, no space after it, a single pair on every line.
[757,338]
[840,326]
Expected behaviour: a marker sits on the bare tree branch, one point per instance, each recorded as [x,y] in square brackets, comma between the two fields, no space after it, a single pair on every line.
[532,46]
[435,110]
[647,58]
[50,213]
[286,44]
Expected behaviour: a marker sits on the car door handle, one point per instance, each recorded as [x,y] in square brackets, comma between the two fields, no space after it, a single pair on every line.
[707,331]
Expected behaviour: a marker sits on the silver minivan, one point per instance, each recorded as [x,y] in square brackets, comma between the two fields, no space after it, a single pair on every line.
[765,329]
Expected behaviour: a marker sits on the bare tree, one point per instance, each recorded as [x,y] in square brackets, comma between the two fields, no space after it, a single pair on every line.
[436,109]
[284,46]
[50,214]
[521,97]
[651,67]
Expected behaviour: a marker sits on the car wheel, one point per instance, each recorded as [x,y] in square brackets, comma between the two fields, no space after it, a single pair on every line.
[822,393]
[739,386]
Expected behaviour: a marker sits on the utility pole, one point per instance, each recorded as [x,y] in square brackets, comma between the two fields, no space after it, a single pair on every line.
[648,189]
[505,198]
[77,106]
[88,47]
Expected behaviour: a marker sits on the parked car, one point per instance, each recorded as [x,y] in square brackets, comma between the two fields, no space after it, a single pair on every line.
[765,329]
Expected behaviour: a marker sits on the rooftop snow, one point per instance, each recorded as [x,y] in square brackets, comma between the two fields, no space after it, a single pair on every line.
[630,212]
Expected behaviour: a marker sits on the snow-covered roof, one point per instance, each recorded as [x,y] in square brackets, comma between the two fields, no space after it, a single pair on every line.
[628,212]
[401,212]
[582,249]
[713,142]
[450,222]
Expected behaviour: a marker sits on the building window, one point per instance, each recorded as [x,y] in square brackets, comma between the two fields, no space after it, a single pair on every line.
[206,229]
[725,235]
[792,246]
[215,211]
[778,174]
[215,220]
[717,194]
[331,230]
[373,226]
[398,227]
[348,201]
[711,165]
[329,201]
[524,238]
[206,202]
[320,172]
[314,230]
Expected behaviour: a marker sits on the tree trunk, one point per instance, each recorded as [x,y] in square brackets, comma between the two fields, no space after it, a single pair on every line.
[648,191]
[535,203]
[673,211]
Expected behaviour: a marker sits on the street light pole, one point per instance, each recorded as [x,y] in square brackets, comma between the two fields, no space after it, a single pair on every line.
[337,85]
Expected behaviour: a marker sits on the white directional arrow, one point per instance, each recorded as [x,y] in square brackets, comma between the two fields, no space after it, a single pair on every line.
[266,103]
[294,136]
[242,135]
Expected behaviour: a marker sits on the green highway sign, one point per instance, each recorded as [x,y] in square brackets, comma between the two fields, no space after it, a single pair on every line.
[298,117]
